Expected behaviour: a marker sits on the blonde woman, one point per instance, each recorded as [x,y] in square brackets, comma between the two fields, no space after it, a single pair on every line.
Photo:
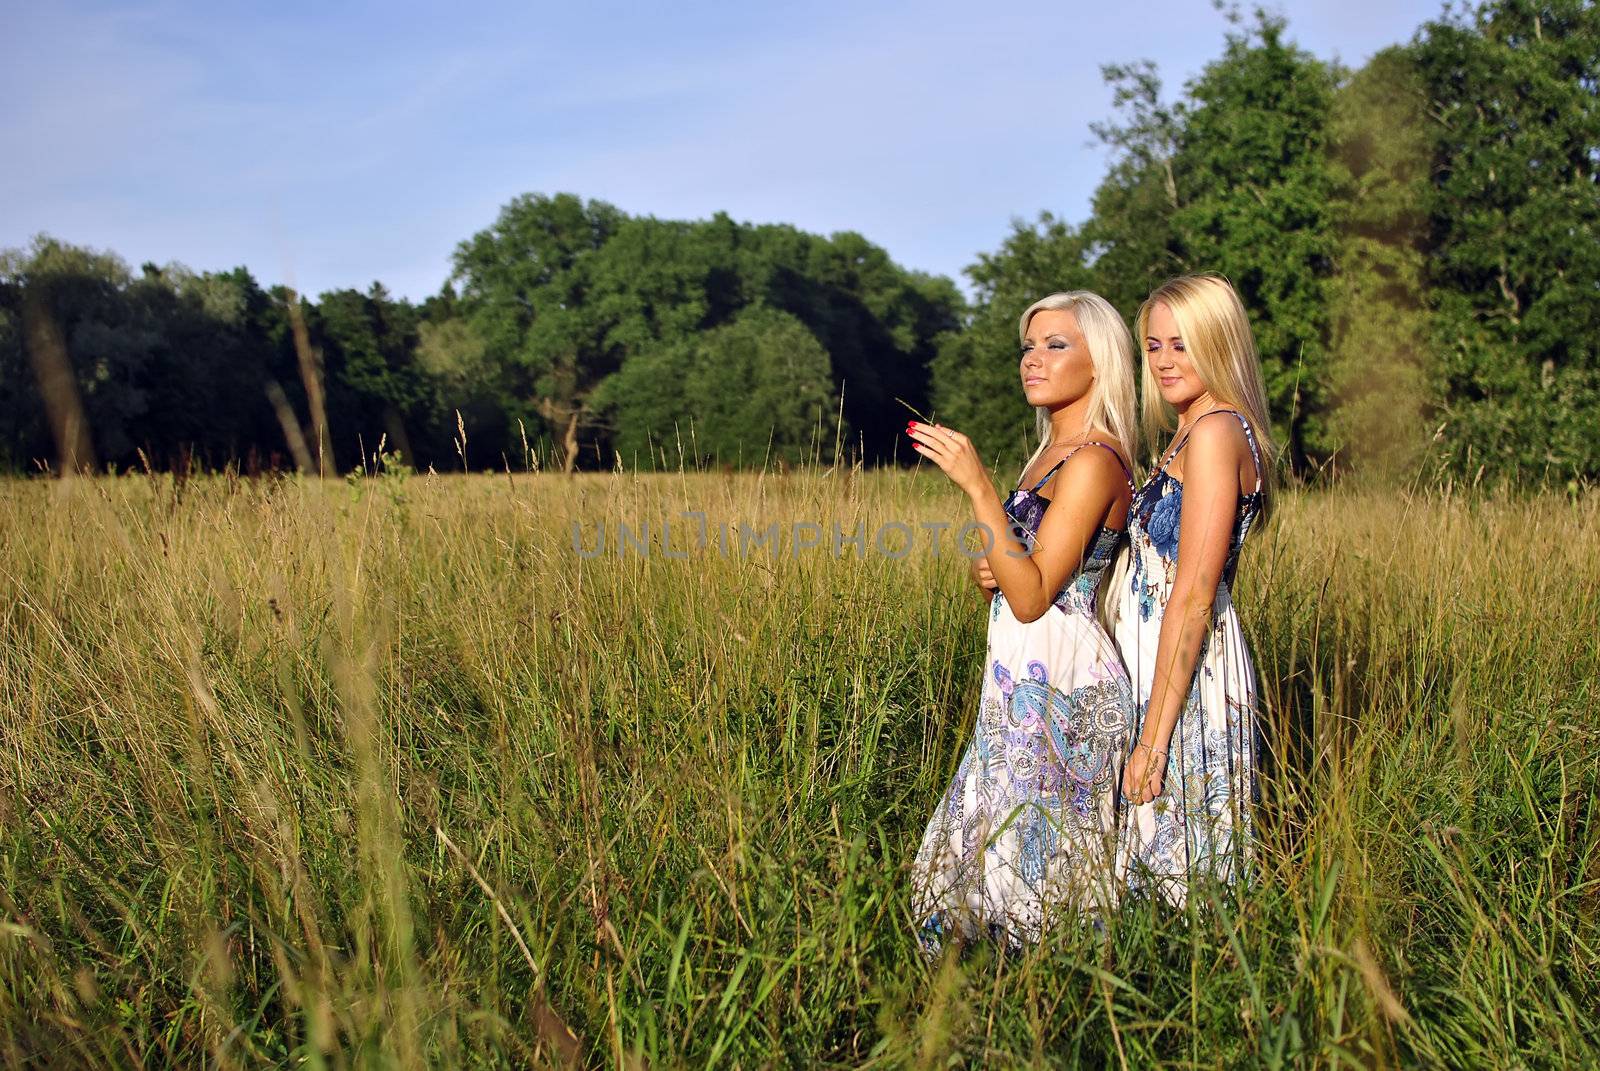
[1190,781]
[1027,828]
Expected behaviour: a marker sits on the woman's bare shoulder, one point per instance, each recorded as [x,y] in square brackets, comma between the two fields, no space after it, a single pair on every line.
[1215,444]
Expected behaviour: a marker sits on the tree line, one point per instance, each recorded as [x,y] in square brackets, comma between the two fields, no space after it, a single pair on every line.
[1415,240]
[571,334]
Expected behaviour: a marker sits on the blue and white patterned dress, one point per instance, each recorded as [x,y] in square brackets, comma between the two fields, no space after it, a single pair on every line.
[1201,822]
[1027,829]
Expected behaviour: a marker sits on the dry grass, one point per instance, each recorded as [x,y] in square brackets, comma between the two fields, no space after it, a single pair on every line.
[382,772]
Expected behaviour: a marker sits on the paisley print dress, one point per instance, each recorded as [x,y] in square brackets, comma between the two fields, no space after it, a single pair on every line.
[1027,829]
[1201,823]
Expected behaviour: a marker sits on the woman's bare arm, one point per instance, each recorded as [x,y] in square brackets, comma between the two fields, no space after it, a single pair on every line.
[1087,488]
[1084,494]
[1210,503]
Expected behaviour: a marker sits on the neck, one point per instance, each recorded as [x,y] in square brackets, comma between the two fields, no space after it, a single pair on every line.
[1067,423]
[1197,407]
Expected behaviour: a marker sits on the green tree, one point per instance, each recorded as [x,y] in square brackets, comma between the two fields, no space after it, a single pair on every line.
[756,388]
[1514,233]
[1381,373]
[204,382]
[1255,187]
[376,385]
[600,290]
[97,336]
[1131,238]
[524,285]
[977,381]
[1234,179]
[168,365]
[470,386]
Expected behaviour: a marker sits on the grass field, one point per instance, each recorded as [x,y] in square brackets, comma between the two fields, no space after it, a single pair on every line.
[384,773]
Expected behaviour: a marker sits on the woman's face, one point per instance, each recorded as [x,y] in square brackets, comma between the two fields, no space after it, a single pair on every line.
[1056,367]
[1174,373]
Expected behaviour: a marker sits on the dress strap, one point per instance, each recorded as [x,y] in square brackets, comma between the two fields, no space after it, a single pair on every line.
[1250,437]
[1126,475]
[1049,474]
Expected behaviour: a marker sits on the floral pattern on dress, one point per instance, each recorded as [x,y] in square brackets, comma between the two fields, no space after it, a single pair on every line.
[1027,827]
[1202,821]
[1162,522]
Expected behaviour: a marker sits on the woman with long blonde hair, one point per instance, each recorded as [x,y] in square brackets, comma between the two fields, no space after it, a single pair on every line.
[1027,829]
[1190,782]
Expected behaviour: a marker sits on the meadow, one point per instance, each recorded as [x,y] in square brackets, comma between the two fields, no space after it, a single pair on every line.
[384,772]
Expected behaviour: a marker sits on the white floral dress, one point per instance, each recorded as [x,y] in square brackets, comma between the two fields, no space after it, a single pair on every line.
[1201,823]
[1027,829]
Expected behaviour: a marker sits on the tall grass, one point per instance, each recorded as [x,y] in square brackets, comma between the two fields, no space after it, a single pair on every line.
[384,773]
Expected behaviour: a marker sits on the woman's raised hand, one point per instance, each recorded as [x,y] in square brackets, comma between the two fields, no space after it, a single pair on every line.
[951,451]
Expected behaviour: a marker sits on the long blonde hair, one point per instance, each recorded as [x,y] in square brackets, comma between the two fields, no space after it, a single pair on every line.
[1216,334]
[1111,398]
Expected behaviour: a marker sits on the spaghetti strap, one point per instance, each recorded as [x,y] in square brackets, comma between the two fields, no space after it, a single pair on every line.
[1046,476]
[1250,437]
[1126,475]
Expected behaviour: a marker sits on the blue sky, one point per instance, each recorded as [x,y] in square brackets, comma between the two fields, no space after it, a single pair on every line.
[333,144]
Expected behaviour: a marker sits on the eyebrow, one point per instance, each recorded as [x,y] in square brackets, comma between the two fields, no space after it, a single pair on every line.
[1053,334]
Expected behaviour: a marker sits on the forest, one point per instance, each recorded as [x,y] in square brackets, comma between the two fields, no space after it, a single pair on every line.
[1417,241]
